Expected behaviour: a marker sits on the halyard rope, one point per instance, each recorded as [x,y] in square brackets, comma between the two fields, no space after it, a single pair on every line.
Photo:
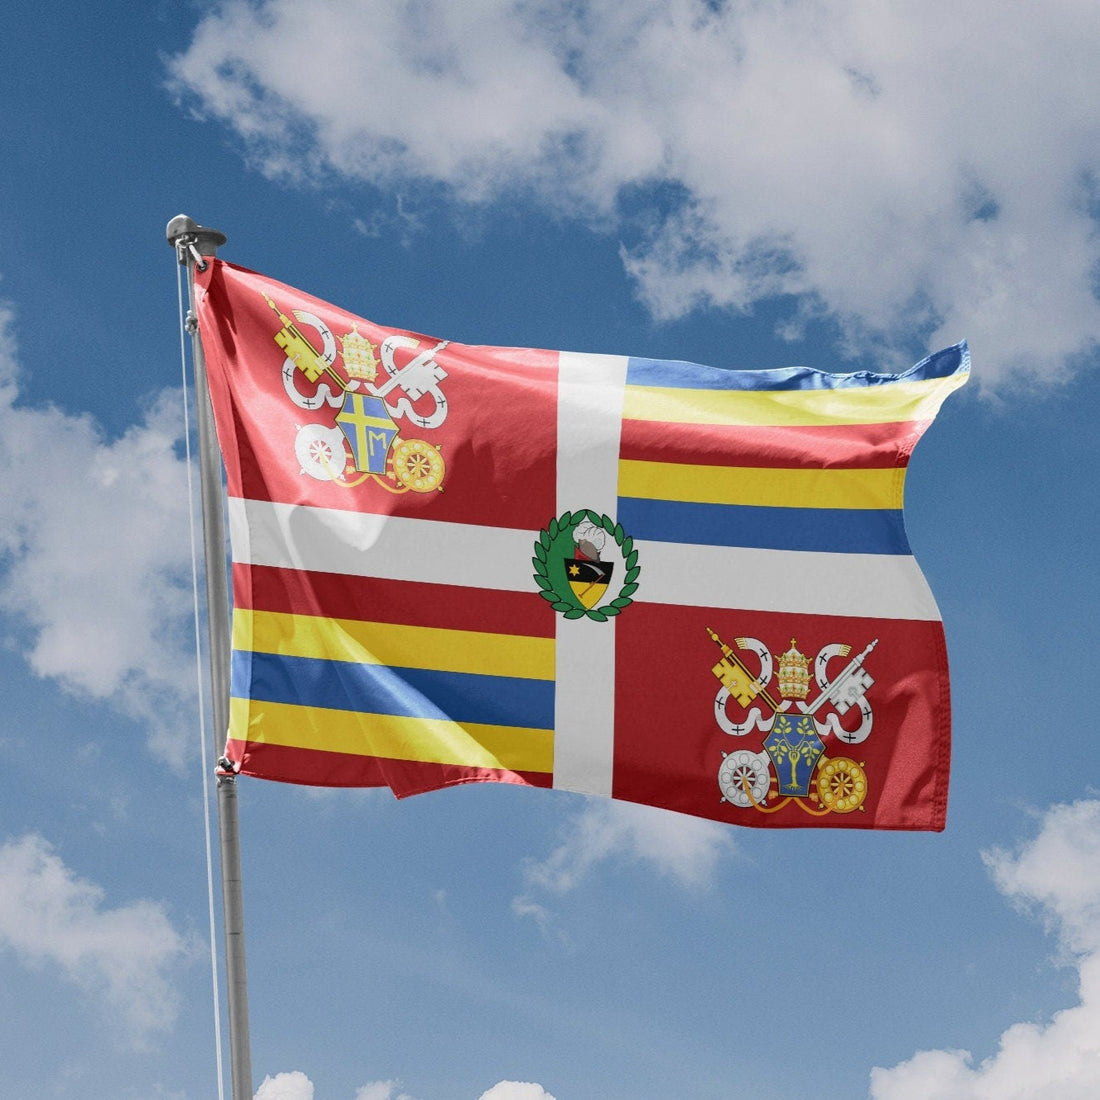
[198,680]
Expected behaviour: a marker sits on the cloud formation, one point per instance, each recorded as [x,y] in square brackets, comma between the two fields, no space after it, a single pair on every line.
[516,1090]
[915,173]
[381,1090]
[294,1085]
[95,563]
[685,849]
[121,957]
[1057,874]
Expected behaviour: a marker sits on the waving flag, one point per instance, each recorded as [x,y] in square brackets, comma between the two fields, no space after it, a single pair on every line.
[654,581]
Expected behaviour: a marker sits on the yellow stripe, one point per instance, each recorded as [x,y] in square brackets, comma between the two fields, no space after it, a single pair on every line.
[397,646]
[887,403]
[393,738]
[764,487]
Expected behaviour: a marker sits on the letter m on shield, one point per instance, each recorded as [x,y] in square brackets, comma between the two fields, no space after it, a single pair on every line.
[369,429]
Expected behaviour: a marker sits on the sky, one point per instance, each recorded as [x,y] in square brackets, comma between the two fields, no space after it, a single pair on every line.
[843,185]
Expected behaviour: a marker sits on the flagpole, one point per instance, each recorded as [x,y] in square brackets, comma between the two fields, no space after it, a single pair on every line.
[193,243]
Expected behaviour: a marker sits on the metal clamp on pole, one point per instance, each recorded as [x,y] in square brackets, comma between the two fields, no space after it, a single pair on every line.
[192,243]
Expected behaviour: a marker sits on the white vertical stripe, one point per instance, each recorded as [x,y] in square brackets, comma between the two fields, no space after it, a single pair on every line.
[584,706]
[590,416]
[590,410]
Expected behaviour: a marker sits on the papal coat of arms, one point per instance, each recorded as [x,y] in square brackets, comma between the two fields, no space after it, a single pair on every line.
[364,382]
[795,762]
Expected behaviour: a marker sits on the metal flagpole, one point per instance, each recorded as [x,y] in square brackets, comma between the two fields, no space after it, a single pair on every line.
[193,243]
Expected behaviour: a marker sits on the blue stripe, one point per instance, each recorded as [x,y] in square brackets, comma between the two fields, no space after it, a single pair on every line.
[693,376]
[407,692]
[822,530]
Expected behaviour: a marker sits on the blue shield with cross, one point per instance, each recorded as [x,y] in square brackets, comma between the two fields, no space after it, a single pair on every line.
[369,429]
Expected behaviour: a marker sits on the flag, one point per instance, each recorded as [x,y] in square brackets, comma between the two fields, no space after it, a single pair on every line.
[654,581]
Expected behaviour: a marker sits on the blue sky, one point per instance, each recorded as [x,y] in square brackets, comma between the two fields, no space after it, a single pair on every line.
[834,184]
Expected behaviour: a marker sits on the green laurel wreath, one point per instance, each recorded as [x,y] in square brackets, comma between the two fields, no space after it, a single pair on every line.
[564,522]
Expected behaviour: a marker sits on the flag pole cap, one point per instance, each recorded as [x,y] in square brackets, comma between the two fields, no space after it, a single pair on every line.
[185,230]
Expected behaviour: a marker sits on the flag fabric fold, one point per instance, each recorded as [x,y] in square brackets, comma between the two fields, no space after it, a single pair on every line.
[655,581]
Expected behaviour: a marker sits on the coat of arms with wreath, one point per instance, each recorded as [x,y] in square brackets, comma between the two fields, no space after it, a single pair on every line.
[579,558]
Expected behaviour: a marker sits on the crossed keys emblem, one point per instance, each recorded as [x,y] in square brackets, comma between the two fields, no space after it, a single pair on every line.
[791,764]
[366,424]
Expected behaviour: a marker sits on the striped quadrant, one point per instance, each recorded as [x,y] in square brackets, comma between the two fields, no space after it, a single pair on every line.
[837,488]
[462,698]
[590,409]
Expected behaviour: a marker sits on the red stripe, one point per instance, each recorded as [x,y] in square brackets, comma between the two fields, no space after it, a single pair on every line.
[842,446]
[314,768]
[408,603]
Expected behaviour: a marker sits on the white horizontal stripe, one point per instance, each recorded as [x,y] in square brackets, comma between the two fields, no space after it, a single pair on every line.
[878,586]
[330,540]
[289,536]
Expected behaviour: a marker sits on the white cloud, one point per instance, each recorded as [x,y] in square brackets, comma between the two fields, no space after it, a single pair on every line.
[903,168]
[376,1090]
[1059,871]
[1059,874]
[94,553]
[297,1086]
[686,849]
[286,1086]
[516,1090]
[381,1090]
[121,957]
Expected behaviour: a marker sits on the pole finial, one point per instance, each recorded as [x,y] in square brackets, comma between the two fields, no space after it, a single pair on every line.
[186,236]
